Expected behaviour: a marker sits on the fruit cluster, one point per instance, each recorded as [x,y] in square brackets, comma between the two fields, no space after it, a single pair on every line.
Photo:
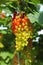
[21,27]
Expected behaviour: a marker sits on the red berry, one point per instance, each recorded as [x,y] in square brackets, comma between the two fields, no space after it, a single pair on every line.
[19,20]
[23,20]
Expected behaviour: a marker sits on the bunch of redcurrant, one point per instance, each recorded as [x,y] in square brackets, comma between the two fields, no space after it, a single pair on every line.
[21,27]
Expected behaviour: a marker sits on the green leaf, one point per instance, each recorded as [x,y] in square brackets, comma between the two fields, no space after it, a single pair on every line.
[27,0]
[7,10]
[35,1]
[33,17]
[4,54]
[7,60]
[3,1]
[2,63]
[41,18]
[41,1]
[3,32]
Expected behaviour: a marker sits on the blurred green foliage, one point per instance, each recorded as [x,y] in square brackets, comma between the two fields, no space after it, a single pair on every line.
[36,18]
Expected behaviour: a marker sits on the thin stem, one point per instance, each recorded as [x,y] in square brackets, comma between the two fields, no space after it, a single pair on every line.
[18,59]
